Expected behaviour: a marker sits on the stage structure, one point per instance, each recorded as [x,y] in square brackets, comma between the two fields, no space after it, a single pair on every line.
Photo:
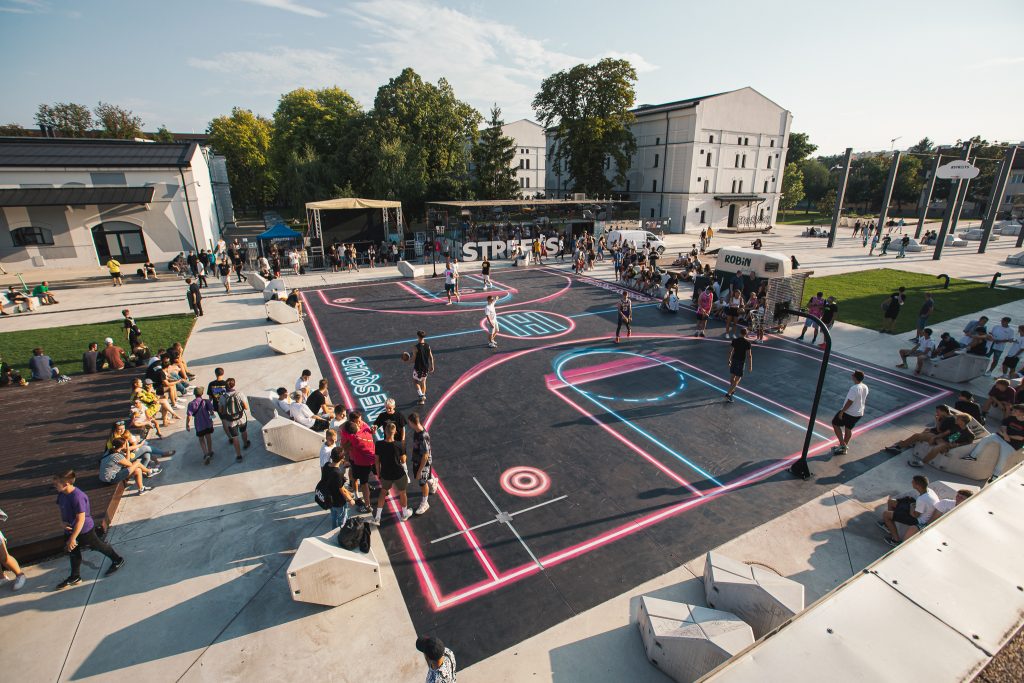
[354,220]
[472,228]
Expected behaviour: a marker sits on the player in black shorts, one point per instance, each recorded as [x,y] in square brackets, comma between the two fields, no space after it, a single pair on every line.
[738,354]
[625,316]
[485,270]
[422,365]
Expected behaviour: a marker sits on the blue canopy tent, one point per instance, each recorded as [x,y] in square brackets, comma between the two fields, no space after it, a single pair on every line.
[280,233]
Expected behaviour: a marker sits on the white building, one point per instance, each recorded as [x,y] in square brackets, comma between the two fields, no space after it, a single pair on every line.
[1012,201]
[706,161]
[73,203]
[530,150]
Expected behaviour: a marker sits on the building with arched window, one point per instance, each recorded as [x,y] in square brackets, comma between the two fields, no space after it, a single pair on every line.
[74,203]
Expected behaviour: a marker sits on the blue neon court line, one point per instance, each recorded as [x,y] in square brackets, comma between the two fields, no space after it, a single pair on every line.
[455,334]
[678,456]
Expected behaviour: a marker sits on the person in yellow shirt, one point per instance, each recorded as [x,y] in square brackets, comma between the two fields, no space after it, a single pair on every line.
[115,271]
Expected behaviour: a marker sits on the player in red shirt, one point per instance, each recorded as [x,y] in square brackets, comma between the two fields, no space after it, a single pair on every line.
[357,440]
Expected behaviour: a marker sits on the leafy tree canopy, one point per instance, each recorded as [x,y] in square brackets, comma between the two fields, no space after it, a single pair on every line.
[800,148]
[244,140]
[67,118]
[118,122]
[493,154]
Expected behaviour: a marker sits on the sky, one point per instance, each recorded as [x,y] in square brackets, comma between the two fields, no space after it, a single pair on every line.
[853,74]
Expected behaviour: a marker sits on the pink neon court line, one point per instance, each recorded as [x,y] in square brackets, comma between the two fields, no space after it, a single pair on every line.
[594,373]
[434,298]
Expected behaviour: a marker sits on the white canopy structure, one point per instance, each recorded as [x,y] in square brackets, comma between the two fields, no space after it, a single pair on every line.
[391,213]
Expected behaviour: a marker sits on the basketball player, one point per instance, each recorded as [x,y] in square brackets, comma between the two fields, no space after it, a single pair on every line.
[739,353]
[449,282]
[422,365]
[485,270]
[492,320]
[704,310]
[625,316]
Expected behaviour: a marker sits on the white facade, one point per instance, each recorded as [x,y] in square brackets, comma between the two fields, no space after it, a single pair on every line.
[80,236]
[1013,199]
[529,160]
[711,161]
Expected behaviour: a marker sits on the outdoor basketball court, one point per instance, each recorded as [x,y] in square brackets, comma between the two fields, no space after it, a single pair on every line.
[572,468]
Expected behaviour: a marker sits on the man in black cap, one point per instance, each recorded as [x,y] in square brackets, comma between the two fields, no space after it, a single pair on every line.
[440,660]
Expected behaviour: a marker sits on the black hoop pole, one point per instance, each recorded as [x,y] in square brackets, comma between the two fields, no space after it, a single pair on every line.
[800,468]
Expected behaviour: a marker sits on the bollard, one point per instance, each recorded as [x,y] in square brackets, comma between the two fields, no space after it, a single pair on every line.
[946,283]
[994,278]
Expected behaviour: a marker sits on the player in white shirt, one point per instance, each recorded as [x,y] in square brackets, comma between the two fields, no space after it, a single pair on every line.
[941,508]
[922,350]
[492,320]
[302,385]
[851,412]
[1000,335]
[1012,356]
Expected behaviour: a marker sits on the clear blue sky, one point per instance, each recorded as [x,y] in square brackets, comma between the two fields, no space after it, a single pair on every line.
[853,74]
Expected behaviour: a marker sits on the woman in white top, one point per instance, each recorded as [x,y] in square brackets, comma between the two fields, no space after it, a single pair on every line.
[492,319]
[733,307]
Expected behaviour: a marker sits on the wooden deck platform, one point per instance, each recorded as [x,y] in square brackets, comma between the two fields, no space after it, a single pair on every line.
[50,428]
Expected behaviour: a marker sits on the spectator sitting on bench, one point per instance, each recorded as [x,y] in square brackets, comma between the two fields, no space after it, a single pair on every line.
[9,377]
[42,366]
[16,297]
[960,435]
[116,466]
[920,351]
[319,401]
[282,403]
[42,292]
[1000,396]
[941,508]
[913,509]
[301,413]
[944,424]
[1009,438]
[141,421]
[946,348]
[977,345]
[966,404]
[294,302]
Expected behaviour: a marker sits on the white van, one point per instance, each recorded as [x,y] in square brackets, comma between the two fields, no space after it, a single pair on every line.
[637,237]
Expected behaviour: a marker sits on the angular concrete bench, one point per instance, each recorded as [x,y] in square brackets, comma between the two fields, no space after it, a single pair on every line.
[409,270]
[285,341]
[256,281]
[280,312]
[291,440]
[273,289]
[263,408]
[324,573]
[760,597]
[963,367]
[1016,259]
[687,641]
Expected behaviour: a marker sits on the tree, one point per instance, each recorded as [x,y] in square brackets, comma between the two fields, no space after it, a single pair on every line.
[415,143]
[867,178]
[827,203]
[493,155]
[909,180]
[817,179]
[800,148]
[163,135]
[923,146]
[13,130]
[244,140]
[118,122]
[67,118]
[792,187]
[587,108]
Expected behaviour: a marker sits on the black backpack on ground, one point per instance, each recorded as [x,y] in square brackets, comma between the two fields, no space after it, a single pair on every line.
[355,535]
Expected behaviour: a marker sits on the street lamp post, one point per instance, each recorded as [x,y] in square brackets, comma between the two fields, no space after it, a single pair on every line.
[800,468]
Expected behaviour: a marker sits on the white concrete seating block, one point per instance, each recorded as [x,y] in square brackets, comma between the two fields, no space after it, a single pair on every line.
[291,440]
[954,241]
[409,270]
[324,573]
[757,595]
[962,367]
[280,312]
[1016,260]
[285,341]
[687,641]
[262,408]
[1008,227]
[256,281]
[914,245]
[948,489]
[273,289]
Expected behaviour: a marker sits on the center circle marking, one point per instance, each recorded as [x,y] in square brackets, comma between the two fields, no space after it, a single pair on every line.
[642,399]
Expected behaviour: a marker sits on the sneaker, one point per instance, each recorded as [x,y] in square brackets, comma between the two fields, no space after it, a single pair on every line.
[969,456]
[143,490]
[19,582]
[894,449]
[423,399]
[424,506]
[407,513]
[238,458]
[247,444]
[114,567]
[728,398]
[839,450]
[68,582]
[891,542]
[207,458]
[154,471]
[915,463]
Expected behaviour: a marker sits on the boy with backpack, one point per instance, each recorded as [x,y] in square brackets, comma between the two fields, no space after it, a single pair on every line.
[232,408]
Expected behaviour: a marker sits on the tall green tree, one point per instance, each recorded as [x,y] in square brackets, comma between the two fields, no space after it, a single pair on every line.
[792,187]
[909,181]
[244,140]
[817,179]
[415,143]
[67,118]
[118,122]
[923,146]
[826,204]
[13,129]
[163,134]
[867,178]
[492,155]
[587,108]
[800,148]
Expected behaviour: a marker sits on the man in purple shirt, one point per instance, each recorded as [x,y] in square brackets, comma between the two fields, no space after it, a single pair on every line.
[79,529]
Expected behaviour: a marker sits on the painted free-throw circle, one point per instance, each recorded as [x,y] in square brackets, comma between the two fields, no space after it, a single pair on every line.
[531,325]
[344,300]
[525,482]
[560,363]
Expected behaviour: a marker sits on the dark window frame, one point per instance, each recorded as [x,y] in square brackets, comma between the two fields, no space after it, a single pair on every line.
[32,237]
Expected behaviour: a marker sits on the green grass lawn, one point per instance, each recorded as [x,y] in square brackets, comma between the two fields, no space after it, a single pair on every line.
[861,294]
[65,345]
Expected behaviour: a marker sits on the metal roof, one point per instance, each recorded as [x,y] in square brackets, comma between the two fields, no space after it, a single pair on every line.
[678,104]
[527,202]
[75,196]
[740,197]
[64,152]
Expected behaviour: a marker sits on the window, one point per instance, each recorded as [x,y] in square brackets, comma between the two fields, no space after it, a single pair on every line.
[527,183]
[1017,178]
[522,163]
[766,186]
[657,158]
[709,158]
[737,164]
[652,213]
[734,186]
[702,217]
[698,179]
[769,162]
[522,182]
[771,143]
[739,141]
[706,186]
[746,141]
[657,141]
[527,164]
[711,139]
[654,186]
[744,161]
[740,190]
[627,186]
[24,237]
